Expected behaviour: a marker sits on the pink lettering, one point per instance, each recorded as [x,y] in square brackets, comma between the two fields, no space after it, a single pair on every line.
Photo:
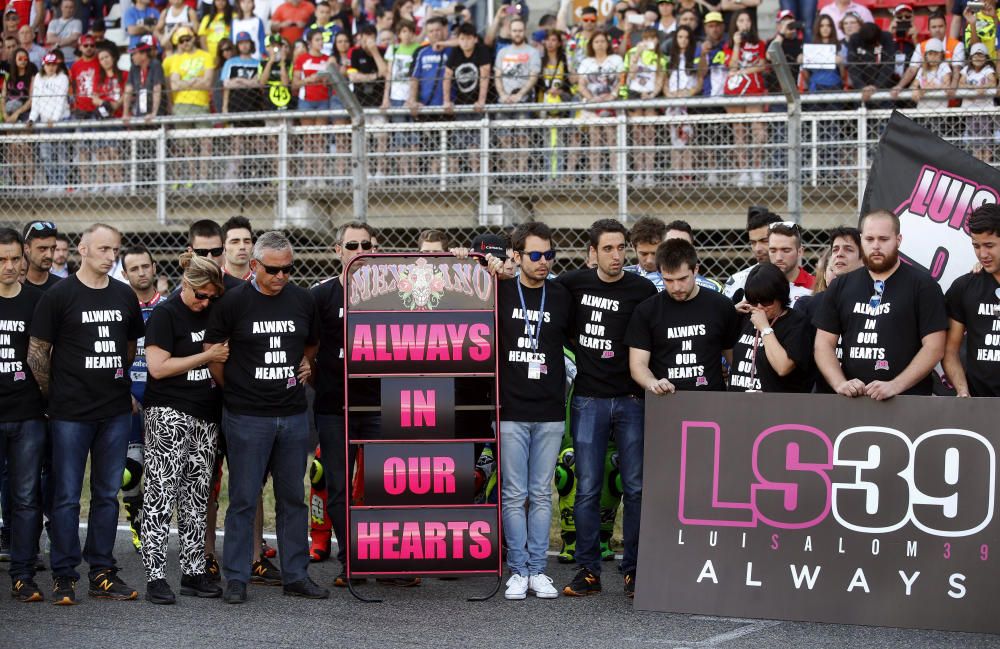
[412,547]
[700,445]
[405,345]
[478,335]
[435,534]
[457,335]
[444,475]
[389,540]
[480,547]
[421,412]
[363,348]
[457,529]
[787,458]
[394,476]
[369,541]
[437,343]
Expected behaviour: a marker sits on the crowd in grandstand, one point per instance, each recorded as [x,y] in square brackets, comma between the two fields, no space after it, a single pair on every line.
[191,58]
[161,389]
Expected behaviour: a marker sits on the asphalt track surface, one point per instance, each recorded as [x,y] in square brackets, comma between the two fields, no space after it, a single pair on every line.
[436,614]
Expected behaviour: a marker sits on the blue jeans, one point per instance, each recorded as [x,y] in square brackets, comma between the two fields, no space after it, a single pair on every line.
[106,442]
[22,446]
[331,444]
[593,422]
[254,445]
[528,452]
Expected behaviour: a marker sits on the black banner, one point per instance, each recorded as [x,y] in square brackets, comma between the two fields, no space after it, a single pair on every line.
[425,283]
[394,541]
[419,474]
[932,186]
[420,342]
[418,408]
[819,508]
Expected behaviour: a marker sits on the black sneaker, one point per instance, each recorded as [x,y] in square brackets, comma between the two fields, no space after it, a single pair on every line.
[341,580]
[26,590]
[106,584]
[212,568]
[5,545]
[199,586]
[158,592]
[64,591]
[236,592]
[265,572]
[584,583]
[630,584]
[306,588]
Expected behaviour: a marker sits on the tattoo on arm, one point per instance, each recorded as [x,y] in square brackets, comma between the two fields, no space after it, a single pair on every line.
[39,360]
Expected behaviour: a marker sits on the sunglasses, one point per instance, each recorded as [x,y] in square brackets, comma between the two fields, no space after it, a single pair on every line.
[876,299]
[184,39]
[42,225]
[589,20]
[354,245]
[275,270]
[205,296]
[208,252]
[534,255]
[784,224]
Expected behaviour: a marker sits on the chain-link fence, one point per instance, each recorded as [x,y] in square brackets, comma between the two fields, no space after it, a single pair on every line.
[469,172]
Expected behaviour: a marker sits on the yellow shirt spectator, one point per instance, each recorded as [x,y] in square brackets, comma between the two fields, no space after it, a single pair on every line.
[213,29]
[190,65]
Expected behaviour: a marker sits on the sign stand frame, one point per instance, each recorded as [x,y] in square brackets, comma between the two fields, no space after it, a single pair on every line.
[495,439]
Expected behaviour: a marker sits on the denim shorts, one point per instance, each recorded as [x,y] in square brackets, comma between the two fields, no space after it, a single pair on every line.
[305,104]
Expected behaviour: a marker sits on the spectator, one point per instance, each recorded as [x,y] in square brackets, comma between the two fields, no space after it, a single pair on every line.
[342,46]
[869,60]
[325,24]
[242,93]
[61,264]
[731,8]
[276,74]
[576,45]
[981,27]
[934,74]
[7,53]
[312,83]
[11,22]
[64,31]
[144,91]
[26,39]
[822,79]
[784,249]
[666,22]
[368,70]
[644,75]
[48,106]
[245,20]
[598,77]
[747,61]
[804,9]
[216,25]
[682,81]
[516,72]
[140,20]
[712,74]
[788,36]
[28,12]
[92,12]
[98,30]
[189,78]
[399,58]
[110,91]
[630,34]
[403,10]
[691,18]
[954,53]
[554,82]
[290,19]
[849,26]
[15,107]
[839,9]
[467,79]
[226,50]
[980,75]
[904,33]
[177,14]
[428,69]
[434,240]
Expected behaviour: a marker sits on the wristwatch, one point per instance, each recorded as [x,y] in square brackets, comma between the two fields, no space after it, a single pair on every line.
[766,331]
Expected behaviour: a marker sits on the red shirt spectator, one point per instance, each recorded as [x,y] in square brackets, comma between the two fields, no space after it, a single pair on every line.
[291,19]
[309,65]
[83,76]
[751,55]
[23,9]
[111,90]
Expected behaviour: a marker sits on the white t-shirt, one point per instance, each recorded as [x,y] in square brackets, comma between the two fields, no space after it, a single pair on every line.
[931,80]
[986,78]
[602,78]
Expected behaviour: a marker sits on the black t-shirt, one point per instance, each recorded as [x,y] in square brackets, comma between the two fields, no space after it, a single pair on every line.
[90,331]
[267,337]
[50,281]
[329,377]
[793,332]
[602,313]
[20,398]
[974,300]
[523,398]
[466,72]
[178,330]
[809,305]
[369,93]
[879,344]
[685,339]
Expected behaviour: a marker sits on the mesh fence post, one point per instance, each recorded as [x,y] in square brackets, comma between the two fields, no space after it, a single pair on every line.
[161,176]
[484,168]
[282,205]
[790,89]
[862,152]
[359,142]
[621,166]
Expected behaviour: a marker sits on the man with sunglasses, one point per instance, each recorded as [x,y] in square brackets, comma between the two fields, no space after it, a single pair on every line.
[784,249]
[890,317]
[83,77]
[576,44]
[534,315]
[205,240]
[973,307]
[83,336]
[39,249]
[270,325]
[758,230]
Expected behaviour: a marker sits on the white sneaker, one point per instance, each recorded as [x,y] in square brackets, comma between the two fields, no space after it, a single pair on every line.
[517,587]
[743,180]
[757,178]
[541,586]
[713,178]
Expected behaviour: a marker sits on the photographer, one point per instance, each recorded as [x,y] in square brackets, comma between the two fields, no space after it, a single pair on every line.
[789,36]
[140,19]
[904,35]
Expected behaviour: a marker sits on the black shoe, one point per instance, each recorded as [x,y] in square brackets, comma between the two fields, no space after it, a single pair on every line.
[236,592]
[265,572]
[341,580]
[106,584]
[26,590]
[399,582]
[64,591]
[158,592]
[306,588]
[630,584]
[584,583]
[212,568]
[199,586]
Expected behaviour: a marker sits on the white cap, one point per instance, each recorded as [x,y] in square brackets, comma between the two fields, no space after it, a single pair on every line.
[979,48]
[934,45]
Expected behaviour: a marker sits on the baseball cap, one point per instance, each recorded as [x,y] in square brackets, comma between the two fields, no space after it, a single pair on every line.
[41,228]
[275,39]
[180,33]
[50,58]
[146,42]
[713,17]
[902,7]
[10,11]
[934,45]
[489,244]
[86,39]
[979,48]
[243,36]
[785,13]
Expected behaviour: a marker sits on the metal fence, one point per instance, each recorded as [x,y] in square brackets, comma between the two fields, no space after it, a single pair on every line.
[807,158]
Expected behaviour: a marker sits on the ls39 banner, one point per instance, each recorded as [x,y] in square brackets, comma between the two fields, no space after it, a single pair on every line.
[817,508]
